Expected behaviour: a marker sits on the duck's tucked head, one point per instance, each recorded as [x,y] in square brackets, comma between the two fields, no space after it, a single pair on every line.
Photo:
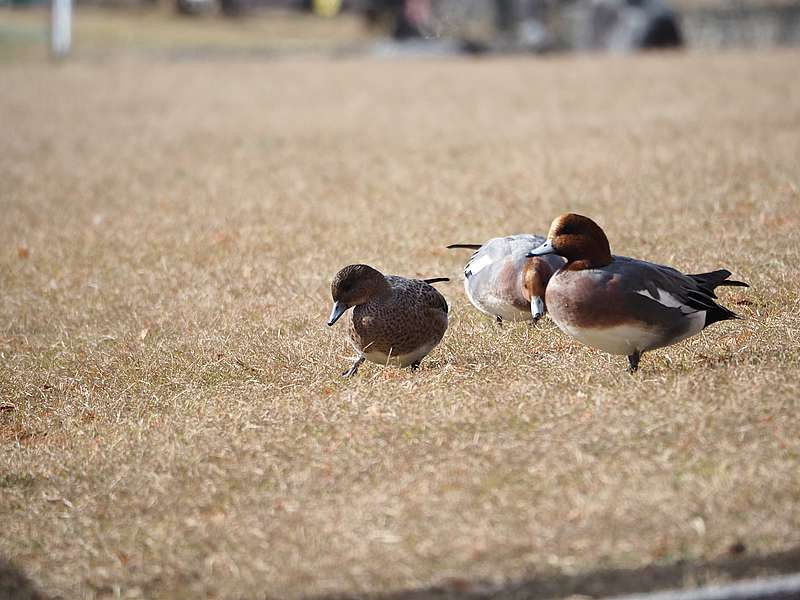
[578,239]
[537,273]
[354,285]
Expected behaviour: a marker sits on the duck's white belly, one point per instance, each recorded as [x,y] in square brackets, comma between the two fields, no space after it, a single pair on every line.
[619,339]
[494,305]
[499,307]
[401,360]
[629,338]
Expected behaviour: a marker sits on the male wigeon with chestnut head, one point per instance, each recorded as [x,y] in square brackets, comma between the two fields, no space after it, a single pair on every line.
[622,305]
[396,321]
[501,280]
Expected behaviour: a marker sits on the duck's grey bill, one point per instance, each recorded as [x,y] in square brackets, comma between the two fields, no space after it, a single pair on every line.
[537,308]
[338,311]
[546,248]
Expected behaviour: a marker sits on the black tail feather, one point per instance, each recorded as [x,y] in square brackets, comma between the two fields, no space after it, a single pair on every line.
[719,313]
[733,283]
[467,246]
[436,279]
[703,299]
[714,279]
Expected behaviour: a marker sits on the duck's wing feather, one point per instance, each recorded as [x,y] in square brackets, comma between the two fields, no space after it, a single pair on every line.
[499,249]
[670,287]
[432,297]
[418,291]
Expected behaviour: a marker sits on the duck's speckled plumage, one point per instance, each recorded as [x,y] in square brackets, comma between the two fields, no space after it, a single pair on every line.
[397,321]
[413,316]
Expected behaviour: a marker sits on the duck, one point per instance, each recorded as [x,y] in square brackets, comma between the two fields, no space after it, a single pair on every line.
[623,305]
[502,281]
[395,320]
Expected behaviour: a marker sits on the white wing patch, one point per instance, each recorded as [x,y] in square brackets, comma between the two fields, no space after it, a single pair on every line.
[668,300]
[478,265]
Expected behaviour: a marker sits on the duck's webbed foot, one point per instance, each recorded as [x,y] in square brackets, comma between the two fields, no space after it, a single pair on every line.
[354,368]
[415,365]
[633,361]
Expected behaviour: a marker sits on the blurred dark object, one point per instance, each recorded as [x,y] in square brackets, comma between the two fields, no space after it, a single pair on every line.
[482,25]
[627,25]
[737,548]
[14,583]
[234,8]
[506,17]
[193,7]
[404,19]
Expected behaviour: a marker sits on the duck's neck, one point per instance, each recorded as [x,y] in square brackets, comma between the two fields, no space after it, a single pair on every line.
[588,263]
[536,274]
[590,253]
[381,289]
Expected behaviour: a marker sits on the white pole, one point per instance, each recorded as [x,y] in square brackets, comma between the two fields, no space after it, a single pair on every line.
[60,27]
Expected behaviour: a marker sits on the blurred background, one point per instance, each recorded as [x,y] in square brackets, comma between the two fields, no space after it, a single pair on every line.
[388,27]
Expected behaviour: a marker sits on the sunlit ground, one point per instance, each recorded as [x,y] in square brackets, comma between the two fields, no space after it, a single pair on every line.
[172,419]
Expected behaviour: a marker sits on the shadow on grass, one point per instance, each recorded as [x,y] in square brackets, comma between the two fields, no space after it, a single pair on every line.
[600,583]
[15,585]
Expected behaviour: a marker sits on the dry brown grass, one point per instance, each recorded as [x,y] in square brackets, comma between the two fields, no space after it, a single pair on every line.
[173,423]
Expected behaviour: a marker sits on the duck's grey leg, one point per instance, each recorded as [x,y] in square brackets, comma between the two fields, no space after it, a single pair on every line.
[352,370]
[499,321]
[633,361]
[415,365]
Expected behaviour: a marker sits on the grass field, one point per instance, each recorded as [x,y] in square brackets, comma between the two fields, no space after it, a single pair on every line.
[172,420]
